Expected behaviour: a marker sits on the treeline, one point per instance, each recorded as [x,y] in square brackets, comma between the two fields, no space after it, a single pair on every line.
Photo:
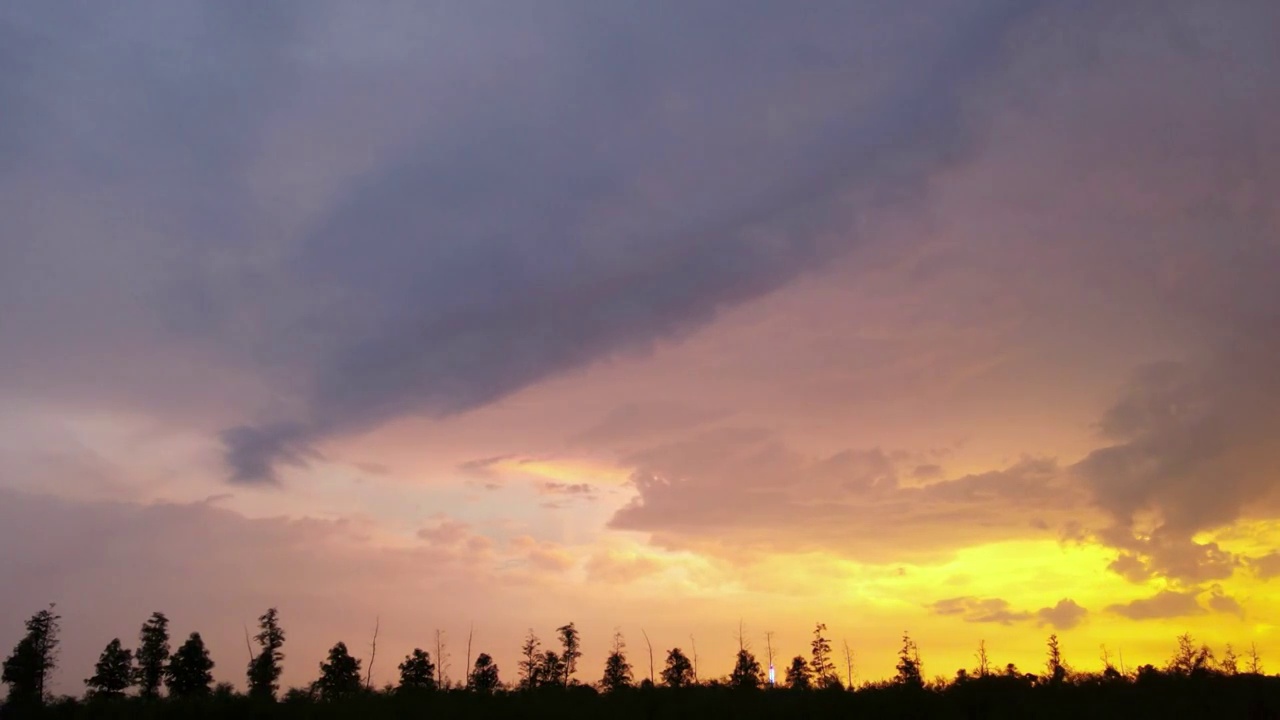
[157,681]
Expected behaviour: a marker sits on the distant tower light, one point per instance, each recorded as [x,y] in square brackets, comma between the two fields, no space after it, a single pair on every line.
[773,676]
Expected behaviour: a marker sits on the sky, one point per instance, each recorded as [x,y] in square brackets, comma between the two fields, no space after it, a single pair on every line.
[956,318]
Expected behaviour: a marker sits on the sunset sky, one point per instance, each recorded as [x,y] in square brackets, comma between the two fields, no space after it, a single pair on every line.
[957,317]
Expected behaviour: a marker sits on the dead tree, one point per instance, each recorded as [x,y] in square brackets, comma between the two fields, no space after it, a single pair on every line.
[768,645]
[248,646]
[470,632]
[442,661]
[373,652]
[694,644]
[646,642]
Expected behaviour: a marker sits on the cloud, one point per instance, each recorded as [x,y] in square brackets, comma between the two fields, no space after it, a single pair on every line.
[1164,604]
[1159,555]
[255,453]
[619,569]
[582,490]
[641,422]
[1195,452]
[430,220]
[1267,566]
[1065,615]
[929,471]
[542,555]
[447,532]
[980,610]
[373,468]
[734,490]
[1220,602]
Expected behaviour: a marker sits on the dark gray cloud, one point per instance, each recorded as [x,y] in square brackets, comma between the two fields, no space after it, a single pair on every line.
[254,453]
[428,212]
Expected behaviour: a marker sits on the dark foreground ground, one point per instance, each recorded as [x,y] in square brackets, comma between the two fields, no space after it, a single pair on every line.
[1243,696]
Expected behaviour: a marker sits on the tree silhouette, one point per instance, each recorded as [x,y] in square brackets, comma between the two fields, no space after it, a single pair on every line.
[442,660]
[28,669]
[984,662]
[531,665]
[484,675]
[113,673]
[264,670]
[1254,666]
[1230,663]
[679,670]
[848,664]
[617,671]
[153,654]
[746,671]
[417,672]
[909,664]
[1057,670]
[799,676]
[823,669]
[1188,660]
[570,651]
[1192,685]
[550,669]
[190,671]
[339,674]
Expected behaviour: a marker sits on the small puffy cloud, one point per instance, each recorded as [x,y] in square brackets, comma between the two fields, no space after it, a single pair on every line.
[1164,604]
[1130,567]
[980,610]
[1220,602]
[1066,615]
[582,490]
